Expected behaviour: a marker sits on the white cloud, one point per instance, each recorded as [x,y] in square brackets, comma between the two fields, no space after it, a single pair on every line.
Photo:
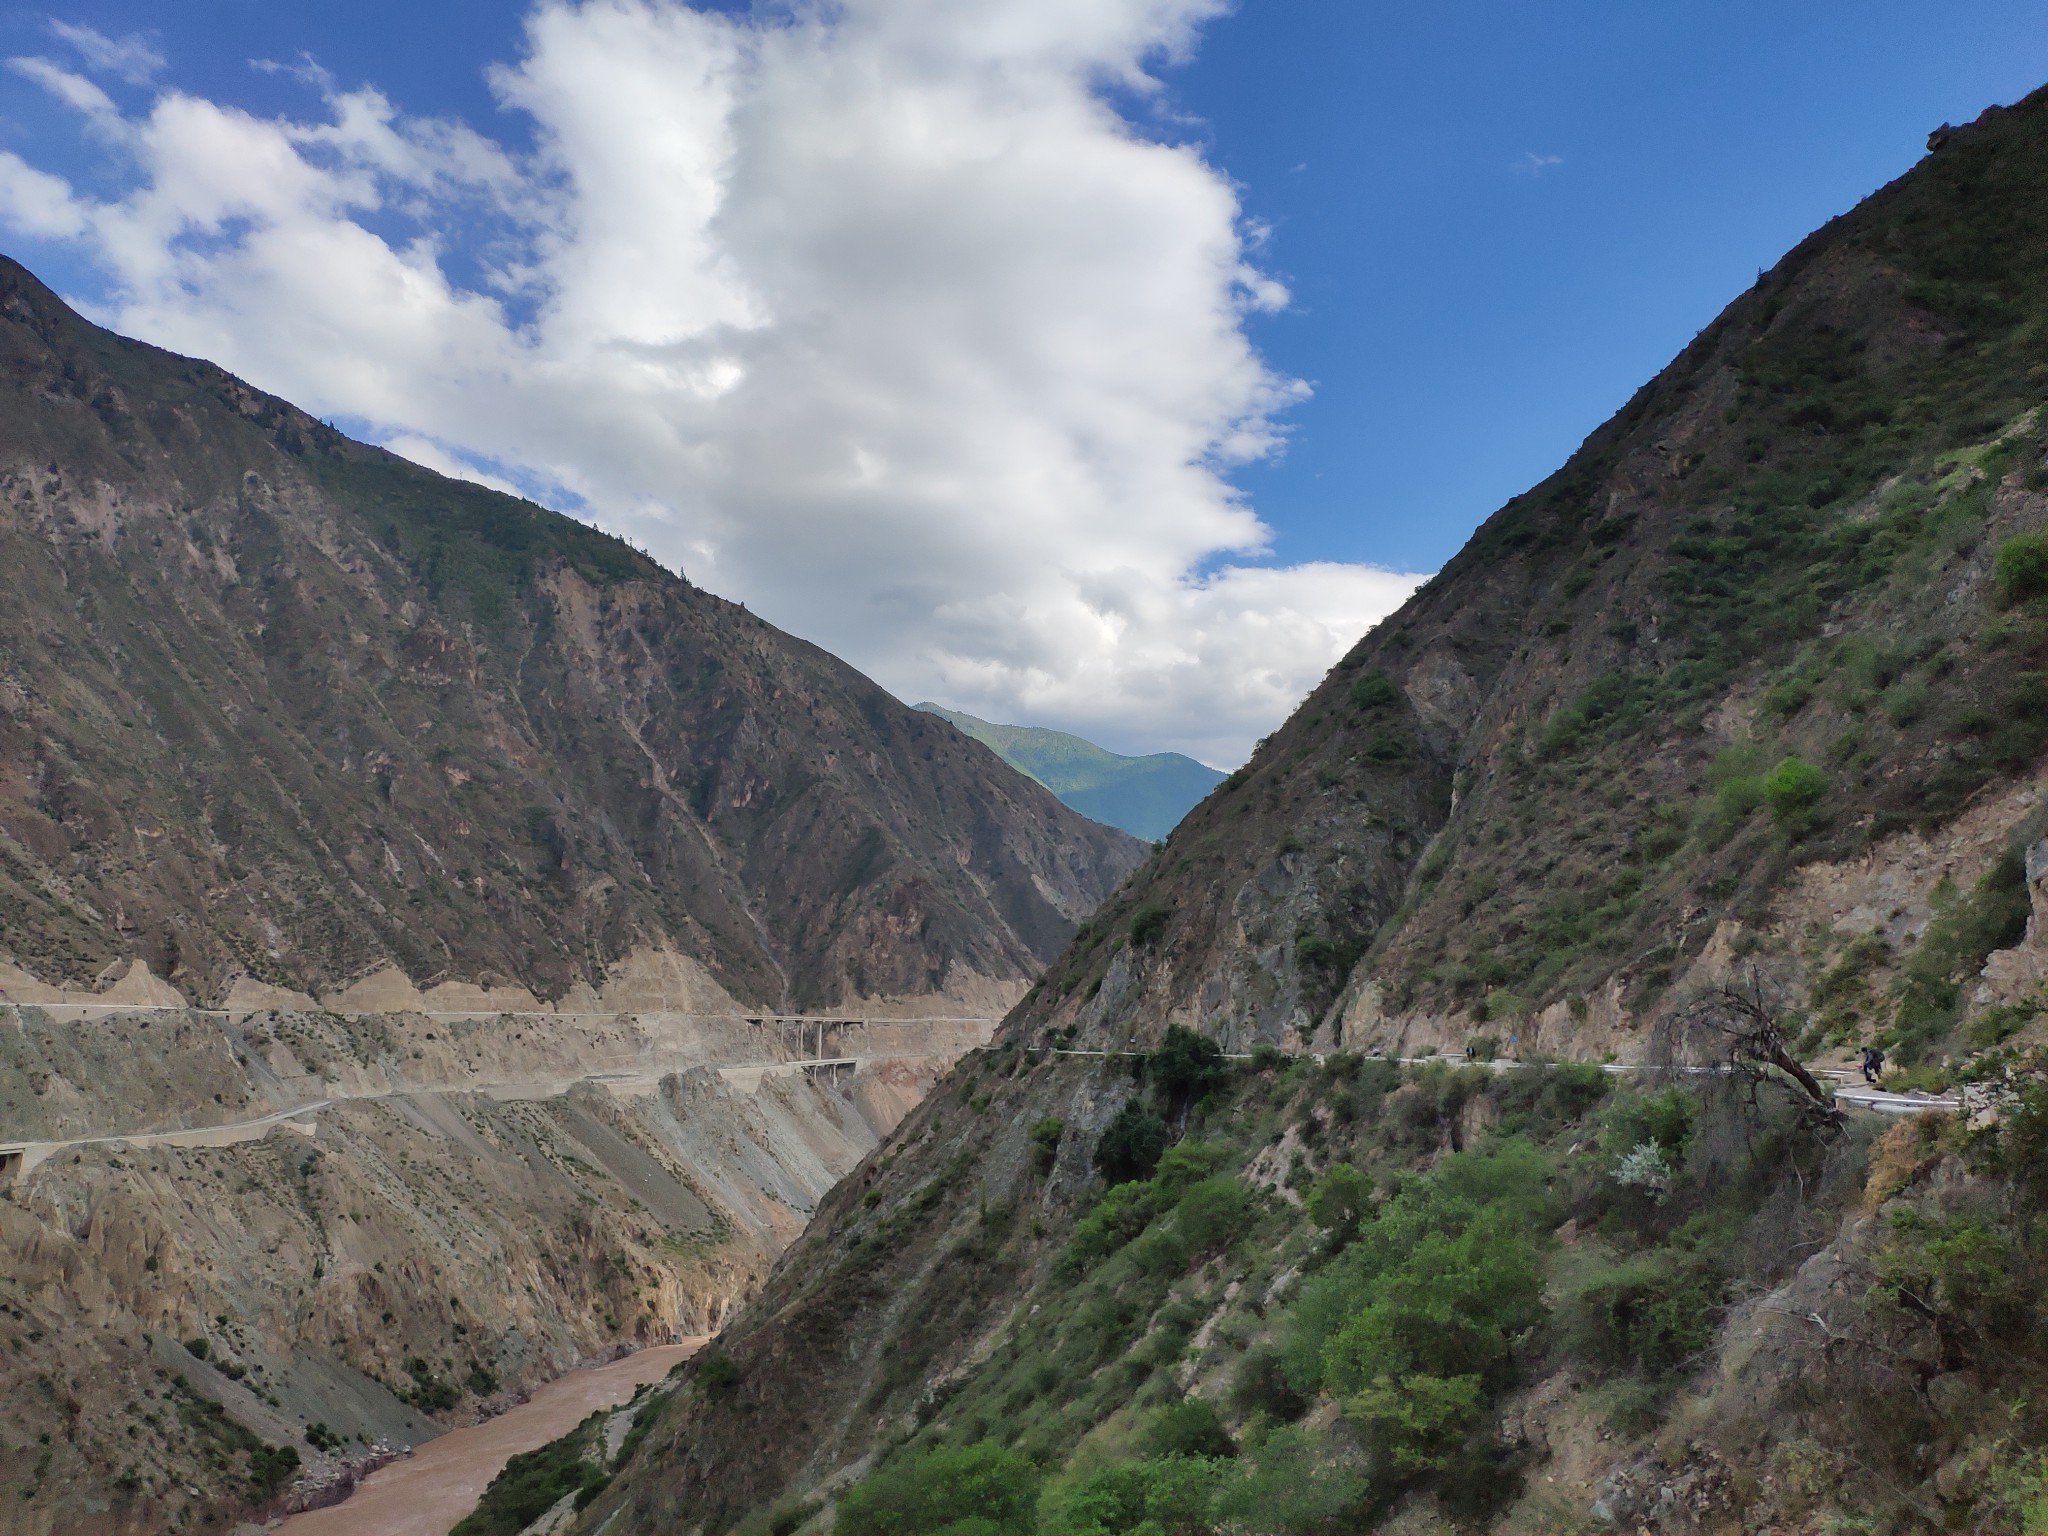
[36,204]
[131,57]
[875,316]
[1533,164]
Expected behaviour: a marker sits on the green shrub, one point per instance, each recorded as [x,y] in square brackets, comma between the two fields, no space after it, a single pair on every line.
[533,1482]
[1960,1266]
[975,1490]
[1148,922]
[1188,1428]
[1737,798]
[1666,1118]
[2020,567]
[1411,1326]
[1120,1215]
[1212,1215]
[1289,1486]
[1260,1386]
[1185,1165]
[270,1467]
[1794,790]
[1173,1497]
[716,1375]
[1648,1315]
[1340,1201]
[1045,1143]
[1385,746]
[1130,1145]
[1965,930]
[1373,691]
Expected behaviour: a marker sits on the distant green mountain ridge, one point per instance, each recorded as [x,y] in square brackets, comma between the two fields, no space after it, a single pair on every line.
[1146,796]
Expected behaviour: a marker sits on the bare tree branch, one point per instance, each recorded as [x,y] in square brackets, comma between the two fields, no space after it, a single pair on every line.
[1756,1045]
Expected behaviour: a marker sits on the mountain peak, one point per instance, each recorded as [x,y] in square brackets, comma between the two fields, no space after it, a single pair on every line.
[1145,796]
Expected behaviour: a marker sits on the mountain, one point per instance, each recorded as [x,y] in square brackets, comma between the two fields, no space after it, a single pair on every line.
[1146,796]
[279,707]
[1720,749]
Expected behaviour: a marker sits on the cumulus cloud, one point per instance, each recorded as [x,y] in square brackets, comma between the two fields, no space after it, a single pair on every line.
[877,316]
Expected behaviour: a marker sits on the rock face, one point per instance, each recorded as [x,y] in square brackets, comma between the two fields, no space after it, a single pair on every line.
[1745,685]
[277,706]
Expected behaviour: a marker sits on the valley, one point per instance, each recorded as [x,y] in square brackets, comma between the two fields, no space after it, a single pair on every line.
[340,1229]
[1586,1072]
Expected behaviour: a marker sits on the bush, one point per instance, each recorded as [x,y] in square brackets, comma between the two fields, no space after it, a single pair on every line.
[1292,1487]
[270,1467]
[1188,1428]
[1130,1145]
[1173,1497]
[1120,1215]
[1667,1117]
[1374,691]
[1045,1143]
[1340,1202]
[1793,790]
[1148,922]
[717,1376]
[533,1482]
[1213,1215]
[1260,1386]
[2021,567]
[1412,1325]
[1647,1315]
[981,1489]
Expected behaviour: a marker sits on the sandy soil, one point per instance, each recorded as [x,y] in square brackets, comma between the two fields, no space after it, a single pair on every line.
[425,1494]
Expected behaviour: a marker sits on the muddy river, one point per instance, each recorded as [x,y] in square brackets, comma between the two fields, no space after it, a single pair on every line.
[427,1492]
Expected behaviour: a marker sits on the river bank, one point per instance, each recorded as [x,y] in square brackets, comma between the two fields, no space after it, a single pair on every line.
[425,1494]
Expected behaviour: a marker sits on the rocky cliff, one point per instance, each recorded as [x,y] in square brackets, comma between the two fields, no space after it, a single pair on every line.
[278,706]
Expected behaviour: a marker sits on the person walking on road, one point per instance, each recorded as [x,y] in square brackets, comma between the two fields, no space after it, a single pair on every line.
[1873,1064]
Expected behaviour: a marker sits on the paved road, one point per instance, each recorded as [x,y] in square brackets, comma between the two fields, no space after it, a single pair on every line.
[1856,1097]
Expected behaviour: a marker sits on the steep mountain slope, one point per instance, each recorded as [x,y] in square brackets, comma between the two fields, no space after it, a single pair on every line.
[1146,796]
[1516,790]
[1750,693]
[276,704]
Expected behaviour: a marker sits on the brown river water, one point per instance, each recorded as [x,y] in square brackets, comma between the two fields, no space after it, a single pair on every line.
[426,1493]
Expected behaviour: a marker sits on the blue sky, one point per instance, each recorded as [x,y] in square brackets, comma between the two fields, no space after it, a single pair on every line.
[1492,222]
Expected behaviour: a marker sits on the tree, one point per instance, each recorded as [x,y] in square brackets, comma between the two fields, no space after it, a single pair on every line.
[1186,1066]
[1756,1046]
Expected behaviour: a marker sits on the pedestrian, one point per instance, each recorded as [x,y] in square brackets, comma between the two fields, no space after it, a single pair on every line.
[1873,1064]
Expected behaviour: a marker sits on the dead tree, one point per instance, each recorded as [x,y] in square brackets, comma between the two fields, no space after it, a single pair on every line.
[1754,1046]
